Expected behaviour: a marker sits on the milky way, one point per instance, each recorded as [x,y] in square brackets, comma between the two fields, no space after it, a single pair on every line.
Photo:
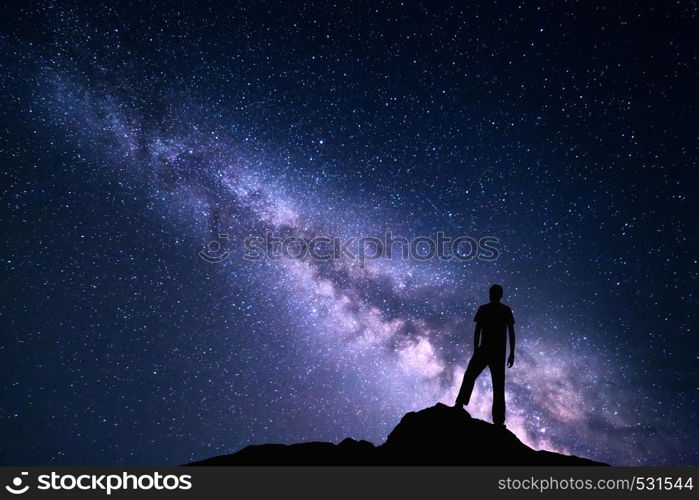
[133,144]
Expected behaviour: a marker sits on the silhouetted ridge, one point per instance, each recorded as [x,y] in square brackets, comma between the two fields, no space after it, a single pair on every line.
[439,435]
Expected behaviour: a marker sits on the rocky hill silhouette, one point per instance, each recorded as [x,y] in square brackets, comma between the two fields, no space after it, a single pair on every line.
[440,435]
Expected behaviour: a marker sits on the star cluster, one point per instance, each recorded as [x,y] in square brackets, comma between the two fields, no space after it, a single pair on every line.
[134,135]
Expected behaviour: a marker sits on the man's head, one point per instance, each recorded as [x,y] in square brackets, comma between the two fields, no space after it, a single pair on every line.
[495,293]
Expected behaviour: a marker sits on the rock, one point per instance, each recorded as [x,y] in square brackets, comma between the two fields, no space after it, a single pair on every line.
[440,435]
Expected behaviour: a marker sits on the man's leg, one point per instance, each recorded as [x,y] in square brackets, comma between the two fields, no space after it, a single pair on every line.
[475,367]
[497,375]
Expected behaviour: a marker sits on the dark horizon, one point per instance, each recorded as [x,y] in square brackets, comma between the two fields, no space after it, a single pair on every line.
[133,137]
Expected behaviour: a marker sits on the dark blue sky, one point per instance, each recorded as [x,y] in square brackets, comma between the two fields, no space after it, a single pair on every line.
[132,135]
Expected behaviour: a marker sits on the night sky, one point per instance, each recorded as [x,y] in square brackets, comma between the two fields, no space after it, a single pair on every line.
[132,135]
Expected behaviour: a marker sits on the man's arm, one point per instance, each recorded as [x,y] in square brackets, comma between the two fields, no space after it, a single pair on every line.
[476,336]
[511,359]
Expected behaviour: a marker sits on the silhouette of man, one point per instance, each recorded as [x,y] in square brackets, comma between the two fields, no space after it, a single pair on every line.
[489,342]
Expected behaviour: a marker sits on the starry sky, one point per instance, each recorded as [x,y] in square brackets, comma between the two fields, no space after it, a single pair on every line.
[132,135]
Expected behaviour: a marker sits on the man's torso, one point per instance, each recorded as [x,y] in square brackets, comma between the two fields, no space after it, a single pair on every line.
[493,319]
